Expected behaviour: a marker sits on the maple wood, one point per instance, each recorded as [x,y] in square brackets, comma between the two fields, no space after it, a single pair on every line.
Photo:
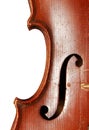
[65,25]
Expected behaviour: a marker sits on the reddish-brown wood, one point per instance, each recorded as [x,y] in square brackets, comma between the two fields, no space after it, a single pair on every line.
[65,25]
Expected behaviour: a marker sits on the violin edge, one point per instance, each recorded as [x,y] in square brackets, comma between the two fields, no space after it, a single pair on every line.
[32,23]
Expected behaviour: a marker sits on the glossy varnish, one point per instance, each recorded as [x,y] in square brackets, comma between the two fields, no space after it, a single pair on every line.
[62,100]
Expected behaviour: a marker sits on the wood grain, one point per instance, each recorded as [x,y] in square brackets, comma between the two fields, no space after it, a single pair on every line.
[65,25]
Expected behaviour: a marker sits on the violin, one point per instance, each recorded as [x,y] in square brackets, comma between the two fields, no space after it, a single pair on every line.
[62,99]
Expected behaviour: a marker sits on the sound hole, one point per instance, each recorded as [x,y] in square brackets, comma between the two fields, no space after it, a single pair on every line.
[62,88]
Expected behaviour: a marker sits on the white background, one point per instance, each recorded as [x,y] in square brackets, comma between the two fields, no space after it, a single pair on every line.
[22,58]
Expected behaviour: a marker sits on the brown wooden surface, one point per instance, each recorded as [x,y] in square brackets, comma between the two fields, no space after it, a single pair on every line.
[65,25]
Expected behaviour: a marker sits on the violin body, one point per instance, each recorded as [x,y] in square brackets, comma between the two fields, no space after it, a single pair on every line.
[62,100]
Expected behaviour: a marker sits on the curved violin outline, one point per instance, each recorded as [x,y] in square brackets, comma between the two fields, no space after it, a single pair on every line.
[62,88]
[32,23]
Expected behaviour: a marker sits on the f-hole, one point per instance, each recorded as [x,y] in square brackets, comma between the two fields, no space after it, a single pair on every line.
[62,88]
